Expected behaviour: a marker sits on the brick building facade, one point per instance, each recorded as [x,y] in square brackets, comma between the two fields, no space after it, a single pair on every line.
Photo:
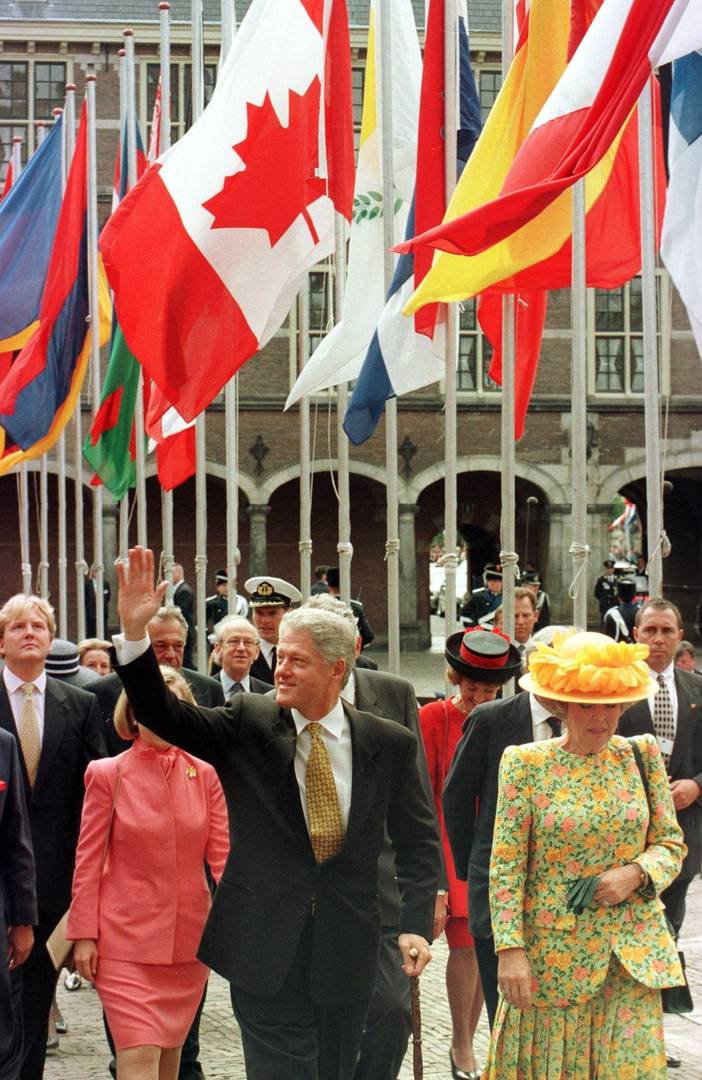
[46,44]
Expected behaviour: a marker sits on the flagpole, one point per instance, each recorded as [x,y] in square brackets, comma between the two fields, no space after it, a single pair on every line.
[579,548]
[124,501]
[61,450]
[40,130]
[231,392]
[303,353]
[344,547]
[654,492]
[94,307]
[198,104]
[450,560]
[164,142]
[508,555]
[23,479]
[131,181]
[80,564]
[392,542]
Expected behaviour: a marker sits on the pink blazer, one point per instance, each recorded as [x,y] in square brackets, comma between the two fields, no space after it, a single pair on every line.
[150,902]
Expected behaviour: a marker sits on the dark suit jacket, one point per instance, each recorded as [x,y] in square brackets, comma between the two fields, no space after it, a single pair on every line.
[261,669]
[686,759]
[271,884]
[184,598]
[73,736]
[17,874]
[257,686]
[206,691]
[470,795]
[392,697]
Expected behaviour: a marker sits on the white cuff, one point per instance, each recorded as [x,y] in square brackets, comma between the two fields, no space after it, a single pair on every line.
[129,650]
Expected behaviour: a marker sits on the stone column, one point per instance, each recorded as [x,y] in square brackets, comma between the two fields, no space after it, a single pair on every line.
[258,541]
[409,629]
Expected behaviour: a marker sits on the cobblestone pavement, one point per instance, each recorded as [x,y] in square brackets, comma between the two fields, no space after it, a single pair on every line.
[83,1053]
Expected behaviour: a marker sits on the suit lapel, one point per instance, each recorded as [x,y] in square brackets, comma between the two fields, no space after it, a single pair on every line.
[55,720]
[366,698]
[521,729]
[280,751]
[366,773]
[688,715]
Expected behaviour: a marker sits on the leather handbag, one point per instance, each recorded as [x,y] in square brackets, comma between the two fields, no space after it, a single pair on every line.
[58,946]
[675,999]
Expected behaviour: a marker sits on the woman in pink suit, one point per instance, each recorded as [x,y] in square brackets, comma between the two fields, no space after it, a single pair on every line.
[137,915]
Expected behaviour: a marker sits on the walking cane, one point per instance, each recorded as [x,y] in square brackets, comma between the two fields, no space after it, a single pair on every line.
[417,1059]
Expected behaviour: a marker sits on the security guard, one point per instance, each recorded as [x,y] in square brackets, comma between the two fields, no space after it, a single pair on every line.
[269,599]
[606,589]
[483,603]
[217,605]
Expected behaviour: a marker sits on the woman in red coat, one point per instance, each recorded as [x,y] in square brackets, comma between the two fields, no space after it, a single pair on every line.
[479,662]
[137,915]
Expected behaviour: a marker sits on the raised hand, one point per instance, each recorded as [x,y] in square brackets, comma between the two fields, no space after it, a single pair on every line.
[138,599]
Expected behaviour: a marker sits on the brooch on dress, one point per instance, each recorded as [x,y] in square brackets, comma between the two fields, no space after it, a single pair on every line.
[191,772]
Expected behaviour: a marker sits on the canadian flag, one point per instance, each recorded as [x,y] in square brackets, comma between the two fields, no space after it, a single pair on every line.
[207,252]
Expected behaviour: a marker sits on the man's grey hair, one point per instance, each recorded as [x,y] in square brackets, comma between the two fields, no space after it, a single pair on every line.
[327,602]
[170,613]
[228,622]
[331,634]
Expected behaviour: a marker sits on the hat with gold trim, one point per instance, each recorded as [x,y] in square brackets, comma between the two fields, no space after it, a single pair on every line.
[589,668]
[271,592]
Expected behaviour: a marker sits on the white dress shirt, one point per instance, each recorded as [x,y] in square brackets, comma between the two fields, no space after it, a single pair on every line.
[669,679]
[267,648]
[539,720]
[336,736]
[13,685]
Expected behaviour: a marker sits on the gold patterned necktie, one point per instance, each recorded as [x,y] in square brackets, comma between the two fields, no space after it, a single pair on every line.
[663,717]
[30,741]
[323,811]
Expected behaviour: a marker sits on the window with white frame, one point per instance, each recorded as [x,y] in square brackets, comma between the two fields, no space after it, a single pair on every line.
[474,354]
[616,341]
[489,83]
[30,89]
[181,95]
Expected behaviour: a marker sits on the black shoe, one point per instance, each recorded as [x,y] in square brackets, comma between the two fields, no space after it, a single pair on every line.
[61,1026]
[52,1044]
[461,1074]
[673,1062]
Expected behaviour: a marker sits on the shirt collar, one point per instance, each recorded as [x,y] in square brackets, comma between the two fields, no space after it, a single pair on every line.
[539,715]
[266,648]
[13,682]
[667,673]
[349,691]
[228,682]
[333,722]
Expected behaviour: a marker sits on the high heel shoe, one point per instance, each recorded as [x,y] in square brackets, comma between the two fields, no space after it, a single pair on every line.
[461,1074]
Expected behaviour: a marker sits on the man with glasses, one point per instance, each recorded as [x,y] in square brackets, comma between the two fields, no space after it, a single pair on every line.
[236,647]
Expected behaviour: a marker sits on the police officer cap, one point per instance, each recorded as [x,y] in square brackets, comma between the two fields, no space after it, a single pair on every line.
[492,571]
[271,592]
[221,577]
[609,563]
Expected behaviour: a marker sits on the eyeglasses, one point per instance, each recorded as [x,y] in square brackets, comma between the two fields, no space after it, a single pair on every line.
[248,642]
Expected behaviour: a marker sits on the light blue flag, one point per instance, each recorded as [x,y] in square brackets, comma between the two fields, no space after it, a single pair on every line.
[28,216]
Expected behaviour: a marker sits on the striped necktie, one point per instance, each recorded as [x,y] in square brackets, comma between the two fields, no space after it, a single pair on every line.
[663,719]
[30,740]
[326,825]
[234,689]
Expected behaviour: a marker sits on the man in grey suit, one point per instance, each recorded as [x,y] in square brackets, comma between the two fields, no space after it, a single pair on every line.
[236,647]
[388,1023]
[659,625]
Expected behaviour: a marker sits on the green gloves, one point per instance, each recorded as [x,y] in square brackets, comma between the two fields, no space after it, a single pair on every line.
[580,893]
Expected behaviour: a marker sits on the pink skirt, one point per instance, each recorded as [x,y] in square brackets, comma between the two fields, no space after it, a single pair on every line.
[150,1004]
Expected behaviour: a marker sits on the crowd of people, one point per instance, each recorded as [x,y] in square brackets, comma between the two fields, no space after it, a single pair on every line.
[296,823]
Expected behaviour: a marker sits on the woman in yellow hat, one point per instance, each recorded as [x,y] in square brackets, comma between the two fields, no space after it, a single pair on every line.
[582,849]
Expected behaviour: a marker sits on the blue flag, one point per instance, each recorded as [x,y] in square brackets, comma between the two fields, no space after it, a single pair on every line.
[28,216]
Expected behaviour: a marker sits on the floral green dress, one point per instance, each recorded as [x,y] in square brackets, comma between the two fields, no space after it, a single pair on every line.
[597,1010]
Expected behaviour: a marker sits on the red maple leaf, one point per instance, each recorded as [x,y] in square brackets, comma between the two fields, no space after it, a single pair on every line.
[278,181]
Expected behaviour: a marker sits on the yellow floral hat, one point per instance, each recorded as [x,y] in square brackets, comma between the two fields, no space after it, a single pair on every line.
[587,667]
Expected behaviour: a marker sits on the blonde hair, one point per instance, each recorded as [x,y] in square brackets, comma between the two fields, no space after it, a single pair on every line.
[92,643]
[16,606]
[123,717]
